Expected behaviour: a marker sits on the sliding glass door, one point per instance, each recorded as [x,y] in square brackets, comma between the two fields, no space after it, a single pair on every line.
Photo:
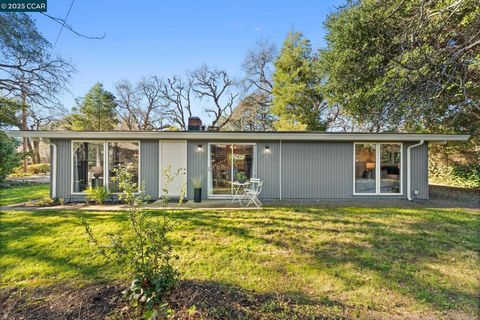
[229,163]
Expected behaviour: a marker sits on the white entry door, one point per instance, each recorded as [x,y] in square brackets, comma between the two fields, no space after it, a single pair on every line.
[173,153]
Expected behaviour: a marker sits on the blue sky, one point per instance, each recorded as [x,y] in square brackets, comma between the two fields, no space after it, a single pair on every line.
[167,37]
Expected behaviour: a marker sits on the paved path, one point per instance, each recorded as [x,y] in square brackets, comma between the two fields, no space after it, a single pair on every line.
[33,179]
[222,205]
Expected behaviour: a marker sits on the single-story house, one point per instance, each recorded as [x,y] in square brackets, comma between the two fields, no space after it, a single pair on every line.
[293,165]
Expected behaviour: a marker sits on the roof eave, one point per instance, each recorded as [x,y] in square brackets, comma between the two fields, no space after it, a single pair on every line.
[246,136]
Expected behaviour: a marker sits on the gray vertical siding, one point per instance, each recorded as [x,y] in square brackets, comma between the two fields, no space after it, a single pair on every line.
[149,167]
[317,170]
[307,170]
[63,169]
[268,169]
[419,163]
[197,166]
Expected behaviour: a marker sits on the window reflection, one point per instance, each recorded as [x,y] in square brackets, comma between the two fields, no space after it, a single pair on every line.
[122,155]
[87,165]
[230,163]
[365,157]
[390,156]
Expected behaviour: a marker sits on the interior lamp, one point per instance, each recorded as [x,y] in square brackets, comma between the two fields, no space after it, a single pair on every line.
[370,165]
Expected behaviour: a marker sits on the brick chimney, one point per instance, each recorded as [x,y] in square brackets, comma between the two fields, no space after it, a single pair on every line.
[194,124]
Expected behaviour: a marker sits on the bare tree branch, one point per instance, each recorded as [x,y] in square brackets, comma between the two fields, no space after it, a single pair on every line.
[216,87]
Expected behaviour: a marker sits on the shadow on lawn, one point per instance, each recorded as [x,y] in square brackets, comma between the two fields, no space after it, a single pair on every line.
[395,251]
[397,254]
[190,300]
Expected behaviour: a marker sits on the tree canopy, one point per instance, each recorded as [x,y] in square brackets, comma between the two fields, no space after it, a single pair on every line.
[96,111]
[405,65]
[297,100]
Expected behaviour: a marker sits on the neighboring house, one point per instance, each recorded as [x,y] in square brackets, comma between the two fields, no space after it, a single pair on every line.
[293,165]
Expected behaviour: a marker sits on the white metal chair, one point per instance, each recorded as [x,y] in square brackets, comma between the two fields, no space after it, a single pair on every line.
[253,190]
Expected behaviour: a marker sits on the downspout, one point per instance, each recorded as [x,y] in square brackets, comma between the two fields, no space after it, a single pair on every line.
[54,171]
[409,169]
[280,171]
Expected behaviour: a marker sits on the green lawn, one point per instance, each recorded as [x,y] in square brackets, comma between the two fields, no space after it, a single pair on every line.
[374,262]
[23,193]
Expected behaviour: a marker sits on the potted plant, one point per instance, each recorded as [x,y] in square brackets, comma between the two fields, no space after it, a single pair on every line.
[197,189]
[241,176]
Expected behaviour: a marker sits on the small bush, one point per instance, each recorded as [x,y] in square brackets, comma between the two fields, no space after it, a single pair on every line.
[32,169]
[39,168]
[145,246]
[98,194]
[44,202]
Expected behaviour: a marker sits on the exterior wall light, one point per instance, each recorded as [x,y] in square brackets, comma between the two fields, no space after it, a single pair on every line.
[267,149]
[200,148]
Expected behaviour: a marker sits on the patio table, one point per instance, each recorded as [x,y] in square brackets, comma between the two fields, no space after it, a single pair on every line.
[239,190]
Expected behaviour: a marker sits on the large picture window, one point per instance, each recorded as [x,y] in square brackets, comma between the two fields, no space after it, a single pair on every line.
[88,165]
[378,168]
[94,163]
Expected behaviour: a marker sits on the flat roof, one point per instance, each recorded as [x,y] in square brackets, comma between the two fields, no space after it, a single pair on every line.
[238,135]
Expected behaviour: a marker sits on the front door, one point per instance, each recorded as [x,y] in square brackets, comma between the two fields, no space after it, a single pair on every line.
[228,163]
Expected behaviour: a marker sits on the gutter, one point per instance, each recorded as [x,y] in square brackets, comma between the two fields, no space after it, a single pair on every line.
[409,169]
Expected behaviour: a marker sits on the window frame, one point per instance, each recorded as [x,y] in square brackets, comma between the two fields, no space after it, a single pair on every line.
[105,161]
[378,187]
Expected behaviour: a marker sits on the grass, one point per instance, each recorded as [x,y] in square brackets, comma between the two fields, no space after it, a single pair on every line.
[385,262]
[23,193]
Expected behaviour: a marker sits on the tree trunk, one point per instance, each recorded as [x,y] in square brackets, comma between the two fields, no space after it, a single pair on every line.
[36,150]
[24,127]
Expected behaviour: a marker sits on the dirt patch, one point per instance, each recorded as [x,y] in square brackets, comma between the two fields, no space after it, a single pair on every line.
[60,302]
[190,300]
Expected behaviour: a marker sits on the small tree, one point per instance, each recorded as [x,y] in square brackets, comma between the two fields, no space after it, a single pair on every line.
[145,247]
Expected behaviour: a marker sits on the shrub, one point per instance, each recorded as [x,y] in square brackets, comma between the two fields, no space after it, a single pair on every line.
[9,158]
[39,168]
[145,246]
[454,174]
[32,169]
[97,194]
[44,202]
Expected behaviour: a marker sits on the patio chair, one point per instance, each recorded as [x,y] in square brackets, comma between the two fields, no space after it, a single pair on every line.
[253,190]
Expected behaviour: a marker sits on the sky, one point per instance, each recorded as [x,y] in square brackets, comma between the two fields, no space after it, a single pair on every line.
[168,37]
